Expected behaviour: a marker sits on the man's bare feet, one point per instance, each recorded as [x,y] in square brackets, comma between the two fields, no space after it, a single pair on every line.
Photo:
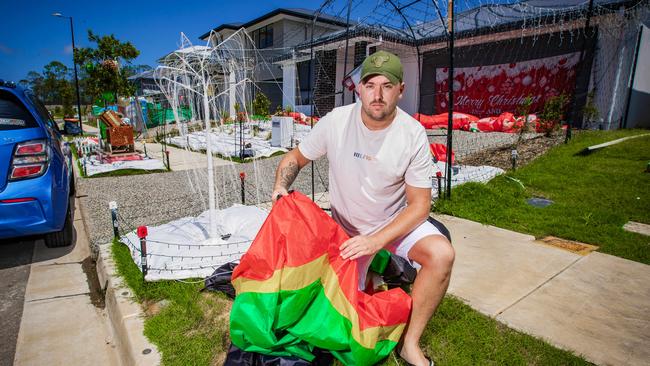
[413,355]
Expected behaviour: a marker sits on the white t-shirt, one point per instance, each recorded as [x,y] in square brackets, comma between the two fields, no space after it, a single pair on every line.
[369,169]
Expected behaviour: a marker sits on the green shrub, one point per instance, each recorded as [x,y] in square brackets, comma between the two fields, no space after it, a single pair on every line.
[261,104]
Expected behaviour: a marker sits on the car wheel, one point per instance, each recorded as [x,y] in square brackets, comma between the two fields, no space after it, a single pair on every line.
[61,238]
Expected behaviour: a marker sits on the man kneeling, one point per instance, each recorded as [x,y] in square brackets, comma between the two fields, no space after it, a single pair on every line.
[380,179]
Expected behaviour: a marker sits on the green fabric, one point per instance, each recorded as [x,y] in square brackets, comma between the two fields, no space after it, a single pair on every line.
[102,129]
[380,261]
[161,115]
[97,110]
[291,323]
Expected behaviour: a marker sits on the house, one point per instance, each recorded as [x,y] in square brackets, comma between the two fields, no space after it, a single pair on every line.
[275,34]
[503,54]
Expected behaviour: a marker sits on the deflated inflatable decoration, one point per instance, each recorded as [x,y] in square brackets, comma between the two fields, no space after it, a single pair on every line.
[295,292]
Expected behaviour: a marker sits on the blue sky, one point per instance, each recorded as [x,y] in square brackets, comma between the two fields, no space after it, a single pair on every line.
[31,37]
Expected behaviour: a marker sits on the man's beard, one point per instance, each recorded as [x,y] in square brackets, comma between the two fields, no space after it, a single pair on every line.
[378,115]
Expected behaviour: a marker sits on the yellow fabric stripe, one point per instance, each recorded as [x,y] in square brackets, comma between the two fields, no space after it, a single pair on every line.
[295,278]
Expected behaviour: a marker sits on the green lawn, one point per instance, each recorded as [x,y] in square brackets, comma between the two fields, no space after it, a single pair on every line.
[123,172]
[193,328]
[594,195]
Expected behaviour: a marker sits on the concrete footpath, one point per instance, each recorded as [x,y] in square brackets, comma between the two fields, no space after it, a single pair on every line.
[179,159]
[63,322]
[595,305]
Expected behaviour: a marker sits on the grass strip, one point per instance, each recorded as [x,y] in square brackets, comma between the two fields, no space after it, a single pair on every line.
[123,172]
[192,329]
[593,195]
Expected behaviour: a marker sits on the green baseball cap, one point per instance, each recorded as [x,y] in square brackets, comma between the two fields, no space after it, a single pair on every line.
[383,63]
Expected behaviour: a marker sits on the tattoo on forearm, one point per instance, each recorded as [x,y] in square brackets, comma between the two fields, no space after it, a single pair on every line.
[288,174]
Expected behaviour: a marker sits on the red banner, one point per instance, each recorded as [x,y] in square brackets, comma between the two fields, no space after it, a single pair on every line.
[490,90]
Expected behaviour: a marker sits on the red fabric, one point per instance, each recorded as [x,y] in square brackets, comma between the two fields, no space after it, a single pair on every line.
[295,115]
[302,119]
[440,152]
[485,124]
[129,157]
[297,232]
[460,121]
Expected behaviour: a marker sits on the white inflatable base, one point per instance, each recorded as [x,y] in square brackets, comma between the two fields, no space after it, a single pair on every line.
[182,248]
[93,166]
[463,174]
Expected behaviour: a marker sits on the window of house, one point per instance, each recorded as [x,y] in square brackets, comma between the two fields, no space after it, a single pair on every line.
[263,37]
[305,83]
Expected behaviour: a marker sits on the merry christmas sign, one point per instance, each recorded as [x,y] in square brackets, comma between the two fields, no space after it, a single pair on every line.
[490,90]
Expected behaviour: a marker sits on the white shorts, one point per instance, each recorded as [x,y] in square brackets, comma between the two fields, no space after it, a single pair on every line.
[400,247]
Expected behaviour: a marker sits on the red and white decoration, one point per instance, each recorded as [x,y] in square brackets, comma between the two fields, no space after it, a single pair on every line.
[491,90]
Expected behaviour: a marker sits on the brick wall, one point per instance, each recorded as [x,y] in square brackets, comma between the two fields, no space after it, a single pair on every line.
[359,53]
[324,86]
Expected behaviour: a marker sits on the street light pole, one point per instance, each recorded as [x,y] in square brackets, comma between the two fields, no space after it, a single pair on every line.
[74,64]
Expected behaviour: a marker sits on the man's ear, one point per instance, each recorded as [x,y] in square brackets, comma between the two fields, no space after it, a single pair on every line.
[401,89]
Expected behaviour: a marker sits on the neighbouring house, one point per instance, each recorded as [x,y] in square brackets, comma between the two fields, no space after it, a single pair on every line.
[145,84]
[274,35]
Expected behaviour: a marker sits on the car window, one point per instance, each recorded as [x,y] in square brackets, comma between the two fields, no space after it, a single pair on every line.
[13,113]
[42,112]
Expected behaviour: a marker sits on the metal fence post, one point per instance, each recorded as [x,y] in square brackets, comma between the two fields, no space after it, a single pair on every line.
[113,206]
[142,234]
[515,156]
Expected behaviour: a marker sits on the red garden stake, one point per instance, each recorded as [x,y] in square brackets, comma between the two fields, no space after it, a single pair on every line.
[242,177]
[142,234]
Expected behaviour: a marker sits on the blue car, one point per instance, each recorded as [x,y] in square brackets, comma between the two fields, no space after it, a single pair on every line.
[36,176]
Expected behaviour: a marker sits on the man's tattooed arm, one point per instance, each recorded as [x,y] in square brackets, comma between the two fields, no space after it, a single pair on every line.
[287,174]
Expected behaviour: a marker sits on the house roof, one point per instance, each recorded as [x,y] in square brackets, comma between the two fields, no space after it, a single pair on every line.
[143,75]
[296,12]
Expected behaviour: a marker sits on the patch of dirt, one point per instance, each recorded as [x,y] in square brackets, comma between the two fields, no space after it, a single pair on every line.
[97,293]
[216,318]
[152,308]
[569,245]
[501,157]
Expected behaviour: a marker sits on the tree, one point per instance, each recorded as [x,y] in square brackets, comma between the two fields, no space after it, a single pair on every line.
[102,64]
[57,88]
[35,82]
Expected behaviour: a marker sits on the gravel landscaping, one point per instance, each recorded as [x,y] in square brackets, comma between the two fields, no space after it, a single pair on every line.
[153,199]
